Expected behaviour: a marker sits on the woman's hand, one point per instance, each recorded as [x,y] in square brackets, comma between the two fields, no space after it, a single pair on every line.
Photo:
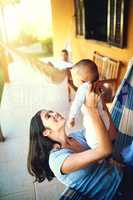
[92,100]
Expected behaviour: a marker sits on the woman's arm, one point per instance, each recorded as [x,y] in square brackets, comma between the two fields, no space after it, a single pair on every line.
[80,160]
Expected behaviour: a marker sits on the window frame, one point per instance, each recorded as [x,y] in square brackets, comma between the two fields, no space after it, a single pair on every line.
[116,22]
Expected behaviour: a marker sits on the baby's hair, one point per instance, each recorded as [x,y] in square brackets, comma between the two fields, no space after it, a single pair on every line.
[92,67]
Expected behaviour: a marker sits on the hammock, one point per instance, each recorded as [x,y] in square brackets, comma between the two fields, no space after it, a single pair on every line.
[122,114]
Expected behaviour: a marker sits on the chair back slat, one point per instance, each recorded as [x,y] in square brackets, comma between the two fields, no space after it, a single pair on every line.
[108,69]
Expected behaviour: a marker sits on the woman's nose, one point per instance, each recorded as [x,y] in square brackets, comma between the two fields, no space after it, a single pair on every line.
[54,114]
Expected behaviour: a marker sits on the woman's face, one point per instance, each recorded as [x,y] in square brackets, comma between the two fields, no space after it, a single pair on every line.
[52,120]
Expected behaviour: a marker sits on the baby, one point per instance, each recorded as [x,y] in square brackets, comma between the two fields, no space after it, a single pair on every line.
[84,75]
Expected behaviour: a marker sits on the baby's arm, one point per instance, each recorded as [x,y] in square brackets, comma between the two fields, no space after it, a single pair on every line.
[78,101]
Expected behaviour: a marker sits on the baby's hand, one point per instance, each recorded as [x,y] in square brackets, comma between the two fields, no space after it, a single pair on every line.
[71,123]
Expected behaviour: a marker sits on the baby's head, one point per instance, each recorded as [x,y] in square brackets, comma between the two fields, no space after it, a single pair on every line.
[83,71]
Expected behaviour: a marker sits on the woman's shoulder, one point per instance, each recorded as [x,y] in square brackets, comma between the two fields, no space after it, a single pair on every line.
[58,153]
[57,157]
[80,137]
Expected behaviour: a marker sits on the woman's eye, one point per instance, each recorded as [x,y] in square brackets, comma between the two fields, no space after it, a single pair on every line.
[48,116]
[83,81]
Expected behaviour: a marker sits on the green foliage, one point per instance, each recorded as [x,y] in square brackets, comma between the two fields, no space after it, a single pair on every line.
[26,39]
[47,45]
[6,2]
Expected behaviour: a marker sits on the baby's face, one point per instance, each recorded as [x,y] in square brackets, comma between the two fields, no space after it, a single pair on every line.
[80,76]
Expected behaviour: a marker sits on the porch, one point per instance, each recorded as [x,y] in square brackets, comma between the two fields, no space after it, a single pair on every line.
[30,91]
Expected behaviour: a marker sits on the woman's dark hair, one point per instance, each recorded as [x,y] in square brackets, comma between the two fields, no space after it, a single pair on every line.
[91,66]
[39,150]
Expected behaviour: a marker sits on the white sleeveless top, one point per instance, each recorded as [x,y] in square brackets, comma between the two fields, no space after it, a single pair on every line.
[90,133]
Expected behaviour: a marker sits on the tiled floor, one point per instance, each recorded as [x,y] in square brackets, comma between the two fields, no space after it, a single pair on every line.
[19,102]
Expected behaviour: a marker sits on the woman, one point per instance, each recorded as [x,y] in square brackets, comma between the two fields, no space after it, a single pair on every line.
[69,158]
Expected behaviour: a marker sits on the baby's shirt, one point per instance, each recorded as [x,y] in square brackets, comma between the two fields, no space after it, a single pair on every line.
[79,99]
[78,105]
[90,133]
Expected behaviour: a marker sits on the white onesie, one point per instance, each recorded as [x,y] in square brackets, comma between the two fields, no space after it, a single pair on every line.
[78,105]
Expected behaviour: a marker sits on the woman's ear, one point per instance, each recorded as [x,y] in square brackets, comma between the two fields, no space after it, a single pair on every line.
[46,132]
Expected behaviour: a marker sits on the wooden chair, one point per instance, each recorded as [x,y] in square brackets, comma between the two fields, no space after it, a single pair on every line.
[108,70]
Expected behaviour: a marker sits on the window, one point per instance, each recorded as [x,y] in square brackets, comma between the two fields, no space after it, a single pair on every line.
[104,20]
[79,7]
[96,19]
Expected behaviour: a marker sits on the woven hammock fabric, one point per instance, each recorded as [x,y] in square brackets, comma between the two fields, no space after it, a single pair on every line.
[122,113]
